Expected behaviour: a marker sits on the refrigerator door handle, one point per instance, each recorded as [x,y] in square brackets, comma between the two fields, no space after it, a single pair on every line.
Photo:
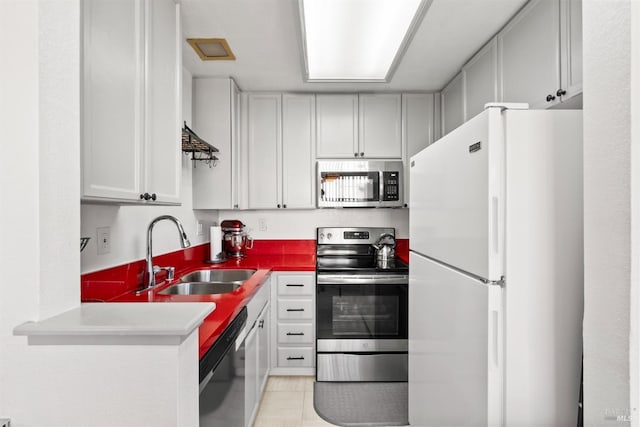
[494,344]
[495,224]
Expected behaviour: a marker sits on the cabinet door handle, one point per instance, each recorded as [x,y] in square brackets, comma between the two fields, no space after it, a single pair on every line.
[235,206]
[153,196]
[550,98]
[278,206]
[561,92]
[362,154]
[295,358]
[261,324]
[295,334]
[295,309]
[284,206]
[141,196]
[146,196]
[295,285]
[355,154]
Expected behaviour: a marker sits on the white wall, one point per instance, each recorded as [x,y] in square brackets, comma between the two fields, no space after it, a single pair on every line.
[129,223]
[634,353]
[39,186]
[607,182]
[301,224]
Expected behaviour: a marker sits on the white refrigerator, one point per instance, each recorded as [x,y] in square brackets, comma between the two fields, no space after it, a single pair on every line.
[496,272]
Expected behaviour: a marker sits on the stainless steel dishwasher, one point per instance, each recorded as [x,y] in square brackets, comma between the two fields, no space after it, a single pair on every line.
[222,378]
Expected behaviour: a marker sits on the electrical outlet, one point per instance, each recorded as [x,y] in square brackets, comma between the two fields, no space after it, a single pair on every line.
[103,240]
[262,224]
[198,228]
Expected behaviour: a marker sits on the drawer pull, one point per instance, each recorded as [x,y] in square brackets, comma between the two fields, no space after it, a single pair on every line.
[295,285]
[295,309]
[295,333]
[295,358]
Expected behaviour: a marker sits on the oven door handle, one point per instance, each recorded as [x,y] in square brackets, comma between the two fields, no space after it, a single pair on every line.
[362,279]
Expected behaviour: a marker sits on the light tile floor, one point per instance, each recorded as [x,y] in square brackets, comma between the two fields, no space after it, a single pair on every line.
[288,402]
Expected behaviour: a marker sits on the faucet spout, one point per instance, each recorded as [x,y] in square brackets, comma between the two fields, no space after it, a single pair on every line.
[150,273]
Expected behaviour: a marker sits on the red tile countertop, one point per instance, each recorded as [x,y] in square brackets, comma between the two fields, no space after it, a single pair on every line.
[119,284]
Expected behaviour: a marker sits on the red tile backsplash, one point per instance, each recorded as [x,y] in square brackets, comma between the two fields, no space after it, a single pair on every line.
[115,281]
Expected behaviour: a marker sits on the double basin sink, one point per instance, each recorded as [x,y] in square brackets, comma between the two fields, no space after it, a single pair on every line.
[206,282]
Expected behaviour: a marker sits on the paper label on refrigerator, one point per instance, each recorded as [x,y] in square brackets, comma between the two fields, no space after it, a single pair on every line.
[475,147]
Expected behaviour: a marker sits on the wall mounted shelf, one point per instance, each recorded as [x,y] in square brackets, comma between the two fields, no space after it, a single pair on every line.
[199,149]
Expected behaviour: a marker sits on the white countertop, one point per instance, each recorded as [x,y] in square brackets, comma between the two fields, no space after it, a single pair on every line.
[122,319]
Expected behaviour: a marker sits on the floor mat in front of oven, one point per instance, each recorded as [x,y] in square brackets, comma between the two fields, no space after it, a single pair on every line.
[362,404]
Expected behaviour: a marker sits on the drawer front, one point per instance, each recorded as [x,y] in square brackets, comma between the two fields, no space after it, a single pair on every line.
[295,309]
[295,357]
[295,333]
[296,284]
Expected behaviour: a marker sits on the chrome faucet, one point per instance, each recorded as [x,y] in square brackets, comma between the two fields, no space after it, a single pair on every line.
[151,270]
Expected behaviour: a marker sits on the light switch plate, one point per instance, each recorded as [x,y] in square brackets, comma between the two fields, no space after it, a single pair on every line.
[199,228]
[262,224]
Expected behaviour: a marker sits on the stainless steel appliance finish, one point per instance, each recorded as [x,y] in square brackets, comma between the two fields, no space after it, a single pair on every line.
[362,367]
[360,183]
[222,382]
[362,279]
[339,345]
[362,318]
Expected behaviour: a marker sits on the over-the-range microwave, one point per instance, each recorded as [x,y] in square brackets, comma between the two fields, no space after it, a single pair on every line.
[359,184]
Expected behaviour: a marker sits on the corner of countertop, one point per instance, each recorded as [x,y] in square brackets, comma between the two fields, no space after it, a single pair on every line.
[121,320]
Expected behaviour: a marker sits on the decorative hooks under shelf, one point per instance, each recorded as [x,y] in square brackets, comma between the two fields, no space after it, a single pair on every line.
[200,149]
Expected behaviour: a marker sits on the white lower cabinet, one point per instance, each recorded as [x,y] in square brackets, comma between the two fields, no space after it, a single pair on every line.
[293,323]
[264,323]
[257,351]
[250,376]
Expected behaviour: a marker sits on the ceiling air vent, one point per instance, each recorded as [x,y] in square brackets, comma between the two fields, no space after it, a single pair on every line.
[212,49]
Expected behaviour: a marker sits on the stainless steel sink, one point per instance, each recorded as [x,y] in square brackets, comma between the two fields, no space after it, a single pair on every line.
[226,276]
[201,288]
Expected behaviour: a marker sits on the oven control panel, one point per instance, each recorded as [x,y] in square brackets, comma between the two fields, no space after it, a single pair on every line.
[356,235]
[351,235]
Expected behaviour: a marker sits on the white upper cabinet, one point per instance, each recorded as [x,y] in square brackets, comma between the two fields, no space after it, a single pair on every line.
[417,129]
[481,79]
[359,126]
[380,126]
[337,121]
[112,128]
[298,151]
[571,47]
[163,100]
[131,101]
[452,102]
[530,55]
[281,147]
[216,113]
[264,151]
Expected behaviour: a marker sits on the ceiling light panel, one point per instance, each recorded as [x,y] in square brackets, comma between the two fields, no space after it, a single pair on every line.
[355,39]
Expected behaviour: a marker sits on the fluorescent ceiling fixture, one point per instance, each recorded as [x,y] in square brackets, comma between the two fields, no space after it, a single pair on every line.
[357,39]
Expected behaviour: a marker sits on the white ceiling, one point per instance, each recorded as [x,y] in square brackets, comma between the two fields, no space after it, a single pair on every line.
[264,36]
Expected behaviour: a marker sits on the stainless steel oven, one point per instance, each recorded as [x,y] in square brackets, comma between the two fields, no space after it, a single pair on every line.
[361,310]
